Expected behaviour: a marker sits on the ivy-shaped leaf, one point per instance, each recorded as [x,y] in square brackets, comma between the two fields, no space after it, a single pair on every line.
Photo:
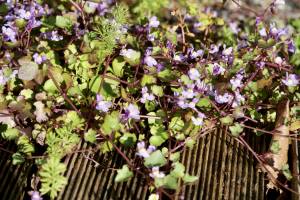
[124,174]
[236,129]
[28,70]
[156,158]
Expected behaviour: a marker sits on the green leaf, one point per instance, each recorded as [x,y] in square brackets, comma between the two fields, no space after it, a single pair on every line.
[236,129]
[178,170]
[275,147]
[190,142]
[24,145]
[150,105]
[128,139]
[28,69]
[74,120]
[10,134]
[156,140]
[286,172]
[134,58]
[50,87]
[170,182]
[226,120]
[204,103]
[148,79]
[156,158]
[124,174]
[63,22]
[189,179]
[105,147]
[52,177]
[17,159]
[175,156]
[157,90]
[118,66]
[166,75]
[176,124]
[111,123]
[90,136]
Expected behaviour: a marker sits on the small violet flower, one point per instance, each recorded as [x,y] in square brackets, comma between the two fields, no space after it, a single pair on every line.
[291,46]
[263,32]
[35,195]
[132,112]
[214,49]
[238,99]
[236,82]
[291,80]
[150,61]
[194,74]
[225,98]
[9,34]
[156,173]
[278,60]
[38,59]
[128,53]
[102,105]
[199,120]
[146,96]
[153,22]
[218,69]
[179,58]
[142,151]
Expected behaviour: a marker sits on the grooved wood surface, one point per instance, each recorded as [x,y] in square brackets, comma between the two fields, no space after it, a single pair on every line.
[226,171]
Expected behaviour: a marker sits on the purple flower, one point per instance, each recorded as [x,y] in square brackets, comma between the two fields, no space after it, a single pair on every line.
[238,99]
[291,46]
[6,75]
[291,80]
[218,69]
[278,60]
[153,22]
[201,87]
[151,37]
[53,35]
[102,105]
[33,23]
[214,49]
[146,96]
[128,53]
[150,61]
[236,82]
[234,27]
[260,64]
[132,112]
[194,74]
[257,20]
[142,151]
[38,59]
[9,33]
[188,93]
[277,33]
[196,54]
[35,195]
[263,32]
[24,14]
[198,121]
[179,58]
[225,98]
[228,51]
[156,173]
[102,8]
